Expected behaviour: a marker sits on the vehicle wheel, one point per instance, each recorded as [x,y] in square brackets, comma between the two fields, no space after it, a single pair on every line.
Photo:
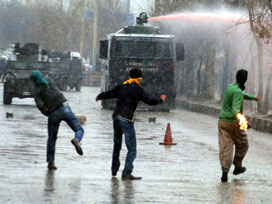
[71,86]
[63,87]
[7,99]
[78,86]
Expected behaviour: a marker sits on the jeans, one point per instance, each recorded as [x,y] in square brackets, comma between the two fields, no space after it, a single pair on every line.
[65,113]
[123,126]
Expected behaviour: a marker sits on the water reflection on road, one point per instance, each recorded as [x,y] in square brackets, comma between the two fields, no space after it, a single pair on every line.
[231,192]
[122,191]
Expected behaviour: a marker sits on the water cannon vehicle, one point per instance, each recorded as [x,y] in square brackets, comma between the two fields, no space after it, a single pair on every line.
[141,46]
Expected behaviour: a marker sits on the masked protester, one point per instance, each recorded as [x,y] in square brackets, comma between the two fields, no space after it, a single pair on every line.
[52,103]
[128,95]
[230,131]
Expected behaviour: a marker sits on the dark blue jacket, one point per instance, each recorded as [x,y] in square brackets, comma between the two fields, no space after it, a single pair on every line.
[128,97]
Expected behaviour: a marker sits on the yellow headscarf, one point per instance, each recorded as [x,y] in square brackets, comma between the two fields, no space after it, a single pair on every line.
[136,80]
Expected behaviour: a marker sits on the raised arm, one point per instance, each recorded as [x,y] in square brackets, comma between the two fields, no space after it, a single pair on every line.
[146,98]
[113,93]
[249,96]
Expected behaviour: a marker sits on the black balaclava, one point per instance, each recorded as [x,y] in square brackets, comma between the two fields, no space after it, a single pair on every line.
[241,78]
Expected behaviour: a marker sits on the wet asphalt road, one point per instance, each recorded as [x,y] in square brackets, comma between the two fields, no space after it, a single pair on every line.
[188,172]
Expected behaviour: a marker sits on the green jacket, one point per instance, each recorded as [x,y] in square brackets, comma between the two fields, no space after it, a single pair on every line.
[233,102]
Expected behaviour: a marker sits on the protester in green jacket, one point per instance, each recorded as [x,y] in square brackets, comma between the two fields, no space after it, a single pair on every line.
[229,129]
[233,102]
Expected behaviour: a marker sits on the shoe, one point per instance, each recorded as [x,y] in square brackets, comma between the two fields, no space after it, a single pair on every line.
[130,177]
[77,145]
[237,171]
[51,166]
[115,168]
[224,177]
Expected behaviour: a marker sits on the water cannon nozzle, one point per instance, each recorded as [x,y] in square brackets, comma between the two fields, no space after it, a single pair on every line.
[142,18]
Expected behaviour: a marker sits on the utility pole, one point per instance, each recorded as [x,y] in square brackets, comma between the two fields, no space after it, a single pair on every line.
[70,8]
[50,4]
[82,27]
[128,6]
[60,4]
[95,33]
[128,11]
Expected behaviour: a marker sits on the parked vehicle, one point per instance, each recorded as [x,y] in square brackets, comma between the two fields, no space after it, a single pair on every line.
[17,82]
[65,70]
[58,71]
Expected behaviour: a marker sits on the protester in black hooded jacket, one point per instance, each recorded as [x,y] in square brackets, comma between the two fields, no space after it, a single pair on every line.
[128,95]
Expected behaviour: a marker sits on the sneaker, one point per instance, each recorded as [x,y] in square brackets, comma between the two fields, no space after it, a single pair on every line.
[130,177]
[224,177]
[76,143]
[237,171]
[51,166]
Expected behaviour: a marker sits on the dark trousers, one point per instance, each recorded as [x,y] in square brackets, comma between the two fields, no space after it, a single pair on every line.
[122,126]
[63,113]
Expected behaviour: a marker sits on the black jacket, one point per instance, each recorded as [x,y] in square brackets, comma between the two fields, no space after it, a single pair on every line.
[48,99]
[128,97]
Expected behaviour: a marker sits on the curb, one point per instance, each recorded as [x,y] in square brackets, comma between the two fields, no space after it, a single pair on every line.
[260,124]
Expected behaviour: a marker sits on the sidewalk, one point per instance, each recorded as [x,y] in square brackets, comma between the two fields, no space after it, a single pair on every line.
[260,123]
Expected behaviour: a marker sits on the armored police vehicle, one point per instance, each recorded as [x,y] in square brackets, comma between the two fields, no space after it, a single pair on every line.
[142,47]
[65,70]
[17,82]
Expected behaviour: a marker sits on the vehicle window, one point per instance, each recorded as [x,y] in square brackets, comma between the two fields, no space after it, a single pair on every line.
[143,49]
[57,65]
[37,65]
[18,65]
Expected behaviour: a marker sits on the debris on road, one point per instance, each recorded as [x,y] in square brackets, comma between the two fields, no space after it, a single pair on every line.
[82,119]
[9,115]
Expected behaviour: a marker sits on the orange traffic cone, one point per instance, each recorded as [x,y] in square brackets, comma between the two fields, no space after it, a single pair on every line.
[168,137]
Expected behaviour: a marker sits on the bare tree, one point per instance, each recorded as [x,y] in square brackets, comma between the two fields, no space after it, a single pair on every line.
[55,27]
[260,22]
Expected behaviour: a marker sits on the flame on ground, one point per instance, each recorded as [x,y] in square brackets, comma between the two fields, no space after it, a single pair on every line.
[242,121]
